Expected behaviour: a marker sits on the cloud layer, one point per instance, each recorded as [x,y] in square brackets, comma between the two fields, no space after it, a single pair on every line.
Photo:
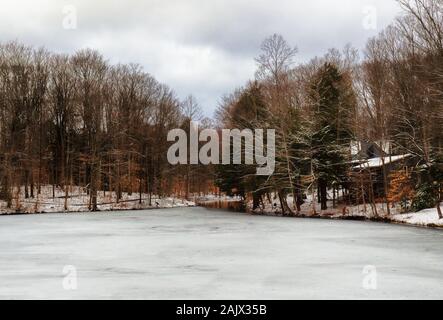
[203,47]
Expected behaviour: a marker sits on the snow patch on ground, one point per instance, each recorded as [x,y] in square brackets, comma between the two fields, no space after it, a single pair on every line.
[427,217]
[78,201]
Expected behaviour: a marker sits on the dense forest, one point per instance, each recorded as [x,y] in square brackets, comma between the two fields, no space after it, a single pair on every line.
[392,95]
[76,120]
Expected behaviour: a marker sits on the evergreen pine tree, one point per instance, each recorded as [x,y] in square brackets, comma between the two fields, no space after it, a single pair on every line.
[333,102]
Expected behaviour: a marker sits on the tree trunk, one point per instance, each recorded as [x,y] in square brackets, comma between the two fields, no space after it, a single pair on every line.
[26,183]
[385,184]
[440,215]
[5,193]
[119,186]
[323,193]
[371,186]
[298,200]
[284,204]
[283,209]
[130,175]
[66,197]
[93,186]
[140,191]
[31,186]
[333,197]
[255,201]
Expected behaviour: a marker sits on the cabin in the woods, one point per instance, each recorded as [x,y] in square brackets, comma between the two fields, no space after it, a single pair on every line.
[372,165]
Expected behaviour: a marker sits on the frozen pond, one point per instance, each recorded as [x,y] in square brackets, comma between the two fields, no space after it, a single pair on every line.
[195,253]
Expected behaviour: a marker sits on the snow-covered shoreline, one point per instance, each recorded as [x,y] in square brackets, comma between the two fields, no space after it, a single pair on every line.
[78,201]
[415,219]
[47,202]
[425,218]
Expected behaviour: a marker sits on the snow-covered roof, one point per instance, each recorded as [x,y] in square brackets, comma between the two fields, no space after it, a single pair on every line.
[378,162]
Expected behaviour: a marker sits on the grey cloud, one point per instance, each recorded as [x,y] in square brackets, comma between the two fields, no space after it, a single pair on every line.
[196,46]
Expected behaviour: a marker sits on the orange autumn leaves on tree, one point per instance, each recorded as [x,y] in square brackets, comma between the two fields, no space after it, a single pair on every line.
[401,188]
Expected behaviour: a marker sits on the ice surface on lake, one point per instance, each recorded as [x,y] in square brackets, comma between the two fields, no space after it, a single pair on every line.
[195,253]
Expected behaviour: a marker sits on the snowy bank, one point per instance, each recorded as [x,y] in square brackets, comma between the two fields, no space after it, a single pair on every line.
[426,218]
[51,201]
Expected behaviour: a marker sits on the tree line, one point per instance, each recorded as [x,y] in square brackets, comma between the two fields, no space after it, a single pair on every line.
[392,94]
[76,120]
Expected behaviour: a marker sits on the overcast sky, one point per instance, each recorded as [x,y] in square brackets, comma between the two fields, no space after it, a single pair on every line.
[203,47]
